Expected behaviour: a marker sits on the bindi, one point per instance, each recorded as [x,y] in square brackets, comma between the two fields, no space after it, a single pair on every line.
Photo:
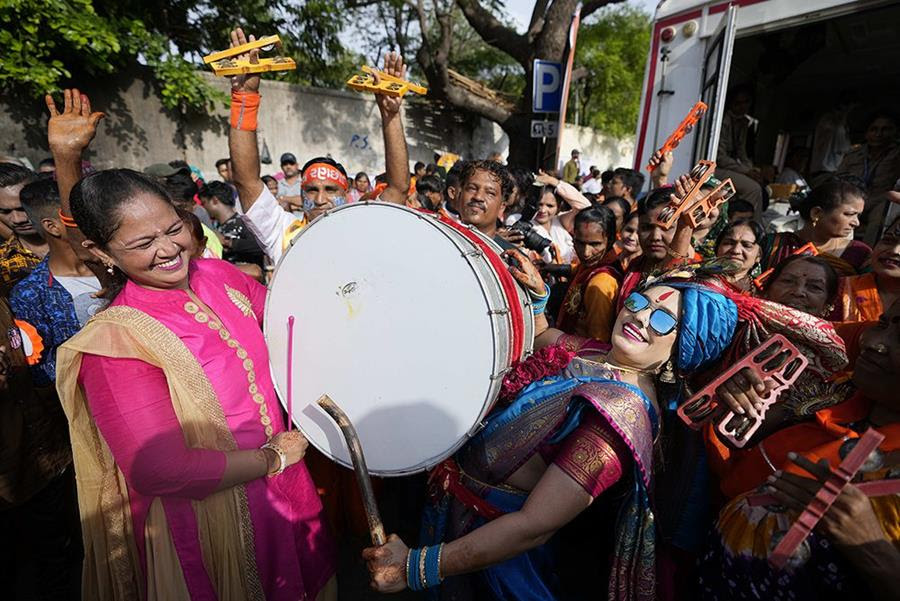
[665,295]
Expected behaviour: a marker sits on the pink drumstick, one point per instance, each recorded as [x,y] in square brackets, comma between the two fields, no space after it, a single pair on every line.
[290,373]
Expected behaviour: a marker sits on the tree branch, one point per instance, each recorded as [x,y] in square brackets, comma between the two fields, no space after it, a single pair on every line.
[463,99]
[495,33]
[537,19]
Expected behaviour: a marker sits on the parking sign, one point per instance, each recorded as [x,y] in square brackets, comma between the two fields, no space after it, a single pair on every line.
[547,85]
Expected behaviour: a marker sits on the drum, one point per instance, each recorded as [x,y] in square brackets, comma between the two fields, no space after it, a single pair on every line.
[407,322]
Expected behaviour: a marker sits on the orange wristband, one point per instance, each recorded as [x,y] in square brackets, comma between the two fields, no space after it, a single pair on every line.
[244,108]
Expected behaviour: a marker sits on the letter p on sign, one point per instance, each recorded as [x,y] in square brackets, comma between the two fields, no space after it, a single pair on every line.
[547,86]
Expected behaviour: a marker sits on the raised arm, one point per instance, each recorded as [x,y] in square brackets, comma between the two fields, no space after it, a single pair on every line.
[242,143]
[69,134]
[396,155]
[662,165]
[570,194]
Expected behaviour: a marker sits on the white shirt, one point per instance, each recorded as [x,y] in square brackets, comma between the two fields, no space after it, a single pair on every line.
[592,186]
[561,238]
[272,226]
[82,290]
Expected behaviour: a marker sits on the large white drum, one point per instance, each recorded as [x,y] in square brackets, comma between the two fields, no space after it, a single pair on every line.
[406,322]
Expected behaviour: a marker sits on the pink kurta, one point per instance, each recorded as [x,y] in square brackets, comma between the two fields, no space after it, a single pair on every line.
[130,403]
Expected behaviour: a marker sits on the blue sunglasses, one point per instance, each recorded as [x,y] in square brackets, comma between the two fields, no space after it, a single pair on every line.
[661,321]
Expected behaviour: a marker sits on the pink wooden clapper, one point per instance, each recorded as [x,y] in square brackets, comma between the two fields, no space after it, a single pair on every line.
[290,373]
[870,488]
[832,487]
[776,359]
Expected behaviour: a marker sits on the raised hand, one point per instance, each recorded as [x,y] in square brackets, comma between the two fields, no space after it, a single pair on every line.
[394,66]
[661,163]
[546,179]
[248,82]
[71,131]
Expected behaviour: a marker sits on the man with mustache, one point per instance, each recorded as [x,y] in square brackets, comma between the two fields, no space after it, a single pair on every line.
[485,186]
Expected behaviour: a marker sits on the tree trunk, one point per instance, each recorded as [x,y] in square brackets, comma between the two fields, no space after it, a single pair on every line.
[523,149]
[546,39]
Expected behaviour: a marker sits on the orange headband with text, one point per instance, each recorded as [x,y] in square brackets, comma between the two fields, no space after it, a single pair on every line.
[326,172]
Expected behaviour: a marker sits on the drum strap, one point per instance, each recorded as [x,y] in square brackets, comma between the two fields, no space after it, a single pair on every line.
[448,477]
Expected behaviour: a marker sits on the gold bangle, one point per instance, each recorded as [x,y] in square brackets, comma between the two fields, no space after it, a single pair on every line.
[440,554]
[282,458]
[422,578]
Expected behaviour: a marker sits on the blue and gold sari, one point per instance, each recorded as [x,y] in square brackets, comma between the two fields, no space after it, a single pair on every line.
[544,413]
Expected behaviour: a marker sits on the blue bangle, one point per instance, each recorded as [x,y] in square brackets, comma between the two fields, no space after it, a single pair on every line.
[412,570]
[538,307]
[433,566]
[544,297]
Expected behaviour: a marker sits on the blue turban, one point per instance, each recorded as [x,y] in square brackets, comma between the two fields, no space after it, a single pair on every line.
[706,327]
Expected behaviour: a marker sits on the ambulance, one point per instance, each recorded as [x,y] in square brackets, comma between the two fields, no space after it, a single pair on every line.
[798,57]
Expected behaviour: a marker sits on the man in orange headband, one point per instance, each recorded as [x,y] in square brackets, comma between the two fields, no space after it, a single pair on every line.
[324,180]
[324,186]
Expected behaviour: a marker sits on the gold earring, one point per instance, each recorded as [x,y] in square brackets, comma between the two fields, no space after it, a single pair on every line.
[815,221]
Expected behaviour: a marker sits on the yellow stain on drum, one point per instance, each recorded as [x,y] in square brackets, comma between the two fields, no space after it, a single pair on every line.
[347,292]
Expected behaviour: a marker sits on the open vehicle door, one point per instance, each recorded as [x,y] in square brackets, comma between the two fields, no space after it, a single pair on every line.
[714,85]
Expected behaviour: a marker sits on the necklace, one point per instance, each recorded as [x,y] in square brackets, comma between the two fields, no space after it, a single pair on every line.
[630,370]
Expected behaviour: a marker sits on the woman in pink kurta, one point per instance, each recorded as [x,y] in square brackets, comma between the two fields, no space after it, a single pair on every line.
[216,312]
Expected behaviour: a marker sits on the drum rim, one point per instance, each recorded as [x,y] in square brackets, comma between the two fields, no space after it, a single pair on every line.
[499,369]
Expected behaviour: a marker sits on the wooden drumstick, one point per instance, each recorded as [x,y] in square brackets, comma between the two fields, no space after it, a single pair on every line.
[376,528]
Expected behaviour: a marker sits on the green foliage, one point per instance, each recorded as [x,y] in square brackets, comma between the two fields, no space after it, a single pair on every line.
[36,35]
[612,46]
[46,45]
[311,37]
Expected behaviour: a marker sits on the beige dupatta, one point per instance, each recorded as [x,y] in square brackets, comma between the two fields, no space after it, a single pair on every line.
[111,565]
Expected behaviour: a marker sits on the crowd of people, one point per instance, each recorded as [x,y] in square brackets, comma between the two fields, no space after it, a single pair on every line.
[145,453]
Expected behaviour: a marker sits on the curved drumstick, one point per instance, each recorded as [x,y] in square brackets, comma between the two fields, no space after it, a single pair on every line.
[376,528]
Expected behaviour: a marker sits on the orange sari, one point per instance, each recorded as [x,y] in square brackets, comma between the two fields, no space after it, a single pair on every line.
[858,299]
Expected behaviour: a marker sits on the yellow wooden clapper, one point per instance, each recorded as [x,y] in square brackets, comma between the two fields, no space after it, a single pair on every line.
[225,63]
[389,85]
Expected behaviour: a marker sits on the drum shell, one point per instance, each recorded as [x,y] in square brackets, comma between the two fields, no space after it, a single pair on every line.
[496,305]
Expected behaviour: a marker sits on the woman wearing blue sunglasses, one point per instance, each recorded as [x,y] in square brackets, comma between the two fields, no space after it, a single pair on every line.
[565,430]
